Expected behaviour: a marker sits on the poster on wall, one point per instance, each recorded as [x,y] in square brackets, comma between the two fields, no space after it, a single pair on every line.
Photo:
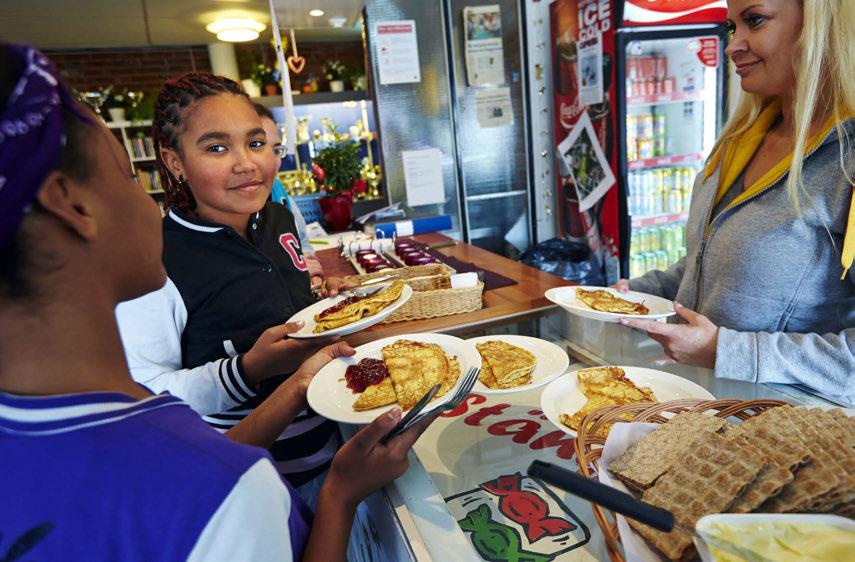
[485,58]
[493,107]
[397,52]
[590,75]
[589,169]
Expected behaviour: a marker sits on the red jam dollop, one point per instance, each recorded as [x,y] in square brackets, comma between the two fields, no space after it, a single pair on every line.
[365,373]
[339,305]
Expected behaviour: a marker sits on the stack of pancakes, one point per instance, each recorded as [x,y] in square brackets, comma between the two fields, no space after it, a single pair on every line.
[604,301]
[785,460]
[360,309]
[414,368]
[504,365]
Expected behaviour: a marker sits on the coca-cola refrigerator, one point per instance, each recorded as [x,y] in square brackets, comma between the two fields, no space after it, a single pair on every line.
[648,79]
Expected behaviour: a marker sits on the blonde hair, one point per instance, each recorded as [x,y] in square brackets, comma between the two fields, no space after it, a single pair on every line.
[825,74]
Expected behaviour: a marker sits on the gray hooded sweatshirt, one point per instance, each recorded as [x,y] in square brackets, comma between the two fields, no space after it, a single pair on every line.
[770,279]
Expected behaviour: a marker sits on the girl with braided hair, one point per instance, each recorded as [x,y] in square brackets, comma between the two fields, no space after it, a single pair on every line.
[214,334]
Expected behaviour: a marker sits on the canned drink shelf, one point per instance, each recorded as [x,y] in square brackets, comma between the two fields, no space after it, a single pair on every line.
[653,220]
[663,98]
[670,160]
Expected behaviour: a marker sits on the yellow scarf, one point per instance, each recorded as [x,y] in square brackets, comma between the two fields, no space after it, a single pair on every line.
[736,154]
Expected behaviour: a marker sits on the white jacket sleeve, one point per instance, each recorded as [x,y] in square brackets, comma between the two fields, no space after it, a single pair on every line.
[151,328]
[251,523]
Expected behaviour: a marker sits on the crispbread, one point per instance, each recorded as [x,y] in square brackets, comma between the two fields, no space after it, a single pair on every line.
[647,460]
[711,475]
[771,479]
[832,436]
[812,480]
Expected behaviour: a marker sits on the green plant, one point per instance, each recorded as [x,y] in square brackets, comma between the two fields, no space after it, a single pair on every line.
[140,106]
[340,164]
[262,74]
[334,70]
[114,98]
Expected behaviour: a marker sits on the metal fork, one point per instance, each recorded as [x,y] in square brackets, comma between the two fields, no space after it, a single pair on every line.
[456,399]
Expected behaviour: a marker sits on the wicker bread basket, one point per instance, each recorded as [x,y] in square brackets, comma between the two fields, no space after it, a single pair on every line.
[589,446]
[432,293]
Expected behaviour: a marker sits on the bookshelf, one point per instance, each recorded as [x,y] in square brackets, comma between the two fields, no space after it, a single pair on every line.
[136,138]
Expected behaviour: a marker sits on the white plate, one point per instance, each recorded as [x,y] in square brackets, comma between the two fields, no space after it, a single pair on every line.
[328,393]
[552,361]
[564,396]
[565,297]
[307,315]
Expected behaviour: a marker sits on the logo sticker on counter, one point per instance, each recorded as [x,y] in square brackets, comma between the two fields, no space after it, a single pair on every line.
[513,518]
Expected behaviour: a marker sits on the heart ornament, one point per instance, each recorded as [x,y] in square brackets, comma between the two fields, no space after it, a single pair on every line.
[296,64]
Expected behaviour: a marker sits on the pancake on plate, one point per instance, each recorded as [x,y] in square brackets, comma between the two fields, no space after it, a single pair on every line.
[504,365]
[604,301]
[604,387]
[357,308]
[413,367]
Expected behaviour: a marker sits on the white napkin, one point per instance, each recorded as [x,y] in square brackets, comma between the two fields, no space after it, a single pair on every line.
[464,280]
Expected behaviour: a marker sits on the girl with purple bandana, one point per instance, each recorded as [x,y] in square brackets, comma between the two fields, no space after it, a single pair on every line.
[94,466]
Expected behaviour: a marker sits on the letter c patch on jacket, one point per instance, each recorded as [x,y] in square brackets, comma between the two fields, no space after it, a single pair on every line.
[292,246]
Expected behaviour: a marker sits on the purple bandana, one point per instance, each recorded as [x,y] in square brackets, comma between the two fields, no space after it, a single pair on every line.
[31,135]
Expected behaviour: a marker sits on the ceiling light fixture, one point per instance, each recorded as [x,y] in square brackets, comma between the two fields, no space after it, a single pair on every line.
[236,30]
[316,13]
[338,22]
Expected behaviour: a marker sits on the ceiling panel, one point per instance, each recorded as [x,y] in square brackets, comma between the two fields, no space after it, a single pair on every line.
[66,24]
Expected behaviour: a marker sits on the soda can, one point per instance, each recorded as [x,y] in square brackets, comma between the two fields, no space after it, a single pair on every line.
[631,127]
[662,260]
[632,67]
[655,239]
[645,126]
[675,201]
[650,261]
[631,149]
[669,85]
[636,265]
[643,240]
[659,146]
[635,244]
[645,148]
[646,193]
[659,125]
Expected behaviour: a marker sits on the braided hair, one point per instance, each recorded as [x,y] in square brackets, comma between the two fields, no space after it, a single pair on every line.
[174,98]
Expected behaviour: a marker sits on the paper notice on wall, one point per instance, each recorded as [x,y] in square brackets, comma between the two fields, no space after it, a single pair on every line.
[397,52]
[493,107]
[590,75]
[423,176]
[485,59]
[584,158]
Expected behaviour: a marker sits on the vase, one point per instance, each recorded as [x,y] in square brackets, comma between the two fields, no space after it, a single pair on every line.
[117,114]
[271,89]
[337,210]
[250,87]
[336,85]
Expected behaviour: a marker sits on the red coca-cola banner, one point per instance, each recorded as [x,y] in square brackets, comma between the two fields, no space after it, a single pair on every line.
[667,12]
[574,21]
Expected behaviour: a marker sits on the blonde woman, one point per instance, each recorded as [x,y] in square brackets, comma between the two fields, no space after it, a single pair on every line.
[765,290]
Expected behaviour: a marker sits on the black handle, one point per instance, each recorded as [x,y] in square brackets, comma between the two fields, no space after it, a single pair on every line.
[603,495]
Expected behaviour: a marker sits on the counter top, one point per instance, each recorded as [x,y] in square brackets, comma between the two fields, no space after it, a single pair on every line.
[514,302]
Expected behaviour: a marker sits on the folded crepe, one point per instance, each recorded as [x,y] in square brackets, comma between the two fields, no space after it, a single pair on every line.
[360,309]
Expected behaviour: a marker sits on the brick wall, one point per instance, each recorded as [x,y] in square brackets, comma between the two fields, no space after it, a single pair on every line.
[134,69]
[146,69]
